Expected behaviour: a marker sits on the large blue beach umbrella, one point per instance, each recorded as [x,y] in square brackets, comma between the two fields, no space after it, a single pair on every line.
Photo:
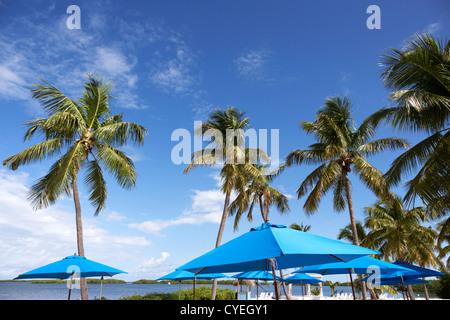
[179,275]
[271,246]
[69,267]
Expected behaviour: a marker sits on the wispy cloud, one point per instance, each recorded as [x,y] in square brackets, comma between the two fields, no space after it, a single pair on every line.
[206,207]
[434,27]
[30,239]
[252,65]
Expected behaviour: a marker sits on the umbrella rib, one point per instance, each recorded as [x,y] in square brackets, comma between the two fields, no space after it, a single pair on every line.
[201,270]
[336,257]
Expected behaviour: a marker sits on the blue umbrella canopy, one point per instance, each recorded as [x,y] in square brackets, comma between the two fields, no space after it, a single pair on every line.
[64,268]
[270,243]
[423,272]
[359,265]
[394,278]
[179,275]
[261,275]
[302,278]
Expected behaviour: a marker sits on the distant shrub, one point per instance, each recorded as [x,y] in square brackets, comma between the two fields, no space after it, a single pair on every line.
[201,293]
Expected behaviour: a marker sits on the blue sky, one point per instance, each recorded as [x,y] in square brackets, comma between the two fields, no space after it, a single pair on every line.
[171,63]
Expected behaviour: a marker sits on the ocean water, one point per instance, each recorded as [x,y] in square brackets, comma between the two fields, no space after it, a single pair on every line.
[113,291]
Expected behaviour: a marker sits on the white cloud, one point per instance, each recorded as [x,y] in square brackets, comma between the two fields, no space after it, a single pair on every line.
[115,216]
[207,207]
[434,27]
[34,238]
[64,57]
[154,268]
[252,65]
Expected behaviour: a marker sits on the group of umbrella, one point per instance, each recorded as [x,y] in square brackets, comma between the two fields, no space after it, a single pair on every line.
[265,248]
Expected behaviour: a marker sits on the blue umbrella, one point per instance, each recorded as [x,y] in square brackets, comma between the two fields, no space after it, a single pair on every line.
[68,267]
[65,268]
[359,265]
[257,275]
[261,275]
[423,272]
[268,245]
[302,279]
[397,281]
[179,275]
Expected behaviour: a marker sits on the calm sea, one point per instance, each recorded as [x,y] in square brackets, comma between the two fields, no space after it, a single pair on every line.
[113,291]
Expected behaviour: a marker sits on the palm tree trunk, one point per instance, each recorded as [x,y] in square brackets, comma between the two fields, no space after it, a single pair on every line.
[219,236]
[261,207]
[427,296]
[350,209]
[353,222]
[410,292]
[80,244]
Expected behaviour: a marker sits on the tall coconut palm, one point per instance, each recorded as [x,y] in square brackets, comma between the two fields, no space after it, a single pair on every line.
[226,127]
[419,74]
[339,147]
[87,135]
[398,233]
[258,192]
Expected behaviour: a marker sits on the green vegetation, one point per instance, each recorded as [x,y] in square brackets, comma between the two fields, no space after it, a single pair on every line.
[201,293]
[146,281]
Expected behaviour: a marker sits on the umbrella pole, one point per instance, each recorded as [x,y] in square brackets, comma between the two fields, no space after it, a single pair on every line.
[193,293]
[351,280]
[257,289]
[101,286]
[274,279]
[70,287]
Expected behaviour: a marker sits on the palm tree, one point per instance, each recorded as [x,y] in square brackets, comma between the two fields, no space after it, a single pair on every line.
[88,135]
[257,192]
[398,233]
[346,233]
[420,76]
[339,147]
[226,126]
[300,227]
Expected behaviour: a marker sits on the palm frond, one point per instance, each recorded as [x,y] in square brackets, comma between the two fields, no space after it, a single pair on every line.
[96,185]
[35,153]
[380,145]
[53,101]
[117,164]
[120,133]
[58,180]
